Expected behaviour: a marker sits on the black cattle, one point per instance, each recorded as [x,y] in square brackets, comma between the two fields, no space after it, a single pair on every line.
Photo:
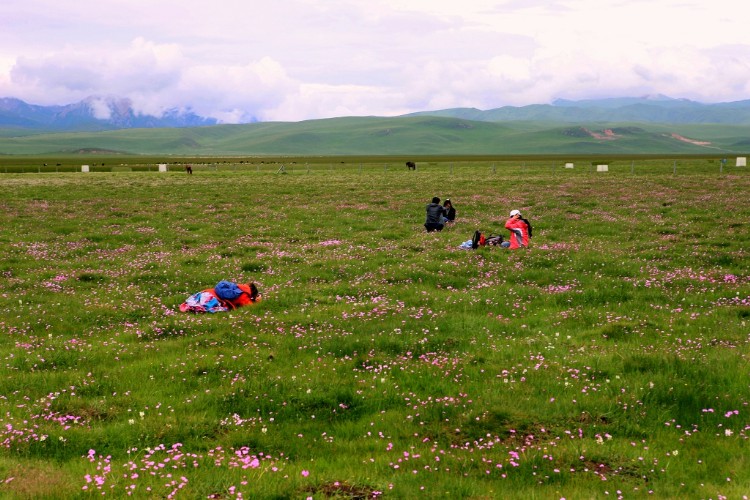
[411,165]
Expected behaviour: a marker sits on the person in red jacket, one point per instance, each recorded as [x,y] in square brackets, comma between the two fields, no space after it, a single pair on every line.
[209,301]
[520,230]
[249,296]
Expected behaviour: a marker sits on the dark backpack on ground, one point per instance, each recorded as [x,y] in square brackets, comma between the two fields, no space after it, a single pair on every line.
[480,240]
[494,240]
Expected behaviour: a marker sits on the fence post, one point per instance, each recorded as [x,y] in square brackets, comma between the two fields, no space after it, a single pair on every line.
[674,167]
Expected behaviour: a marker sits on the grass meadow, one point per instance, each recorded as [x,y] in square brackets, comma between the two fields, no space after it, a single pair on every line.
[609,360]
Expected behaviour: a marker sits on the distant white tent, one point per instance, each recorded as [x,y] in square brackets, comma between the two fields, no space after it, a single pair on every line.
[162,167]
[742,161]
[602,168]
[569,165]
[84,168]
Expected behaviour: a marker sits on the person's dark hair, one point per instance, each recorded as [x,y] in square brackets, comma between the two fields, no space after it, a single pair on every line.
[436,200]
[447,202]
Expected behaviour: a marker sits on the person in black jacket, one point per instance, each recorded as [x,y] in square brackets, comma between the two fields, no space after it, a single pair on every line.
[435,213]
[450,212]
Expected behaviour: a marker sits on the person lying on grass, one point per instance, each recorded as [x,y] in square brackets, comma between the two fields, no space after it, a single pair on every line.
[224,296]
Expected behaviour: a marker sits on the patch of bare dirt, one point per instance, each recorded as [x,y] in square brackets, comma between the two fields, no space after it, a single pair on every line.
[690,141]
[23,481]
[342,489]
[605,135]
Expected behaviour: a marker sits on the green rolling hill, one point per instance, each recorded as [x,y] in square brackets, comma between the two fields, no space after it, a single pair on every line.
[406,135]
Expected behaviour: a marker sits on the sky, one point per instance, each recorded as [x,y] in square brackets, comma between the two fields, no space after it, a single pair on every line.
[290,60]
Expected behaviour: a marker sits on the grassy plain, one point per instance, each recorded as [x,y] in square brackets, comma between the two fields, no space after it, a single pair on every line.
[611,359]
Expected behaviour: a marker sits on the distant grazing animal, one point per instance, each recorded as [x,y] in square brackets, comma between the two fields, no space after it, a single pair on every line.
[411,165]
[189,169]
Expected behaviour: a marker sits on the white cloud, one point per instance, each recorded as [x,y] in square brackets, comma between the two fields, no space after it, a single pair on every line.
[326,101]
[100,108]
[236,93]
[75,73]
[297,59]
[156,78]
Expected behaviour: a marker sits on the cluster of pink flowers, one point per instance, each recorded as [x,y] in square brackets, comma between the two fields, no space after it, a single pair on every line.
[163,462]
[330,243]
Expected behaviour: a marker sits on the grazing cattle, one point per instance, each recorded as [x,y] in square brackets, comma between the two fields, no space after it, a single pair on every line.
[411,165]
[189,169]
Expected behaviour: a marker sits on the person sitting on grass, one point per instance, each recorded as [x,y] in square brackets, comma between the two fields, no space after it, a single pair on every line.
[520,231]
[435,213]
[450,212]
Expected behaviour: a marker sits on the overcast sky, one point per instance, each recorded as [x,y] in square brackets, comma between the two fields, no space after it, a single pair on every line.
[292,60]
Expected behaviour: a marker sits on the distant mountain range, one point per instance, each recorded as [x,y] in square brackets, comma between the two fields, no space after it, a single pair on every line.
[647,109]
[91,114]
[112,113]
